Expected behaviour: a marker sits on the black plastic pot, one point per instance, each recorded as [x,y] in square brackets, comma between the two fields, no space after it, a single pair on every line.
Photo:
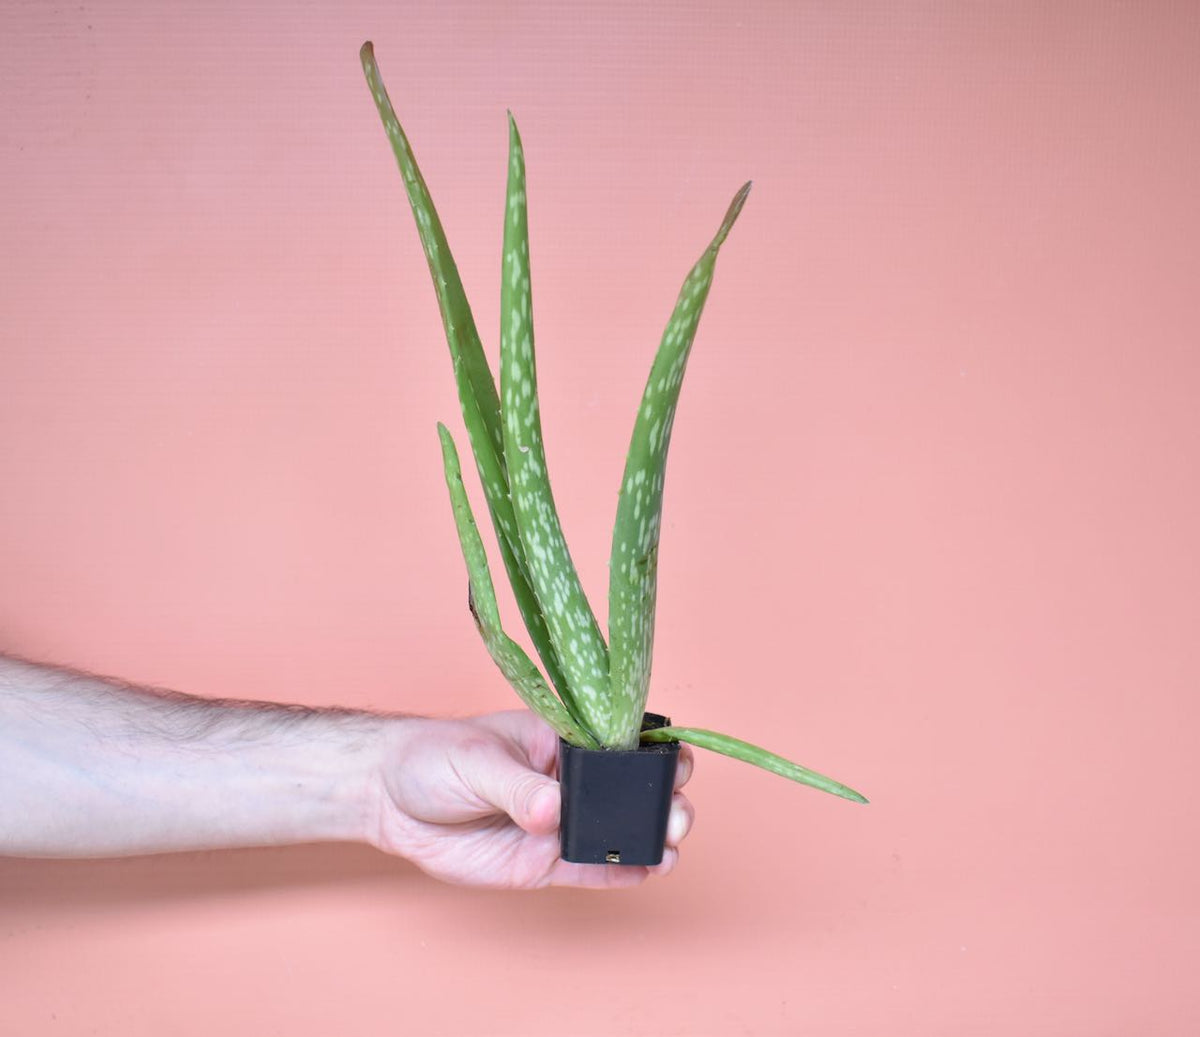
[615,802]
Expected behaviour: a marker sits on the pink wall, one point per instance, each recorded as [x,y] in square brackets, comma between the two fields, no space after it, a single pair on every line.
[931,513]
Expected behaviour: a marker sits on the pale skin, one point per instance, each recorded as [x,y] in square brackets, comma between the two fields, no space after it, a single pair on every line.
[95,767]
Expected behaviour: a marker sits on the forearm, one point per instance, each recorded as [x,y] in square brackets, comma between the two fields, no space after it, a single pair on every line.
[96,768]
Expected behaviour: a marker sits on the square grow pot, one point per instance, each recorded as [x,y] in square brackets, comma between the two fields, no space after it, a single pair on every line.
[615,802]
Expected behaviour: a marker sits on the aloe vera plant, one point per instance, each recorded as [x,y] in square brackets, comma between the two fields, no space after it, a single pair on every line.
[596,691]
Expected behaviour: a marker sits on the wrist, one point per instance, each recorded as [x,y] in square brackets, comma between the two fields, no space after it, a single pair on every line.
[331,776]
[404,777]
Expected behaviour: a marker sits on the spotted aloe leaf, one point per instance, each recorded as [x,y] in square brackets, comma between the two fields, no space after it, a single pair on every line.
[633,565]
[476,388]
[516,666]
[748,753]
[573,628]
[602,688]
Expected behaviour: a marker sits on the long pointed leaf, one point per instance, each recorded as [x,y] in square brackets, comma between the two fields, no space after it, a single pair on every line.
[573,627]
[633,564]
[476,388]
[470,364]
[516,666]
[748,753]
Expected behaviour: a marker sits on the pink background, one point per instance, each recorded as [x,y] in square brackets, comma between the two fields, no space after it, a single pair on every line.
[931,518]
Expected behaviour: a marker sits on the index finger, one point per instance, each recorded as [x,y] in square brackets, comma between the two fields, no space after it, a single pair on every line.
[528,734]
[687,763]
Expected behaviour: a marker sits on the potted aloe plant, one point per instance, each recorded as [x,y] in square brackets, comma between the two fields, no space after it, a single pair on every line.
[617,761]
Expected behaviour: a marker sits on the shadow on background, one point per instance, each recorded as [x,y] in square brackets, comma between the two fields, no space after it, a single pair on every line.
[58,889]
[81,884]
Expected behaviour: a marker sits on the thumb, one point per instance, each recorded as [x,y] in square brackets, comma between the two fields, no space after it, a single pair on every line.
[531,799]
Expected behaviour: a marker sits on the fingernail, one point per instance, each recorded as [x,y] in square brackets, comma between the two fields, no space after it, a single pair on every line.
[677,826]
[685,769]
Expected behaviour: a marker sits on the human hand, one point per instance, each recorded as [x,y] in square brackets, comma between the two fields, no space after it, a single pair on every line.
[474,802]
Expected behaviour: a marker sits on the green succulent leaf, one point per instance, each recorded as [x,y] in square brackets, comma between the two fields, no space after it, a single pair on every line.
[476,388]
[573,628]
[633,564]
[748,753]
[516,666]
[602,689]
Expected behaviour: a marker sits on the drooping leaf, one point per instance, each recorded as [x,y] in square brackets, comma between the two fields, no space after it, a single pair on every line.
[573,628]
[633,564]
[748,753]
[516,666]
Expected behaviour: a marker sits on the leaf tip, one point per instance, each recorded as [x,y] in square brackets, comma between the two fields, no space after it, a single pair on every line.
[731,214]
[366,55]
[514,135]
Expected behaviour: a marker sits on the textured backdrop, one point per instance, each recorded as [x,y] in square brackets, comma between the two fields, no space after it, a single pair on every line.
[931,511]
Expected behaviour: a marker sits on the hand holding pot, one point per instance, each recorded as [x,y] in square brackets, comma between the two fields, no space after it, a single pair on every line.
[474,802]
